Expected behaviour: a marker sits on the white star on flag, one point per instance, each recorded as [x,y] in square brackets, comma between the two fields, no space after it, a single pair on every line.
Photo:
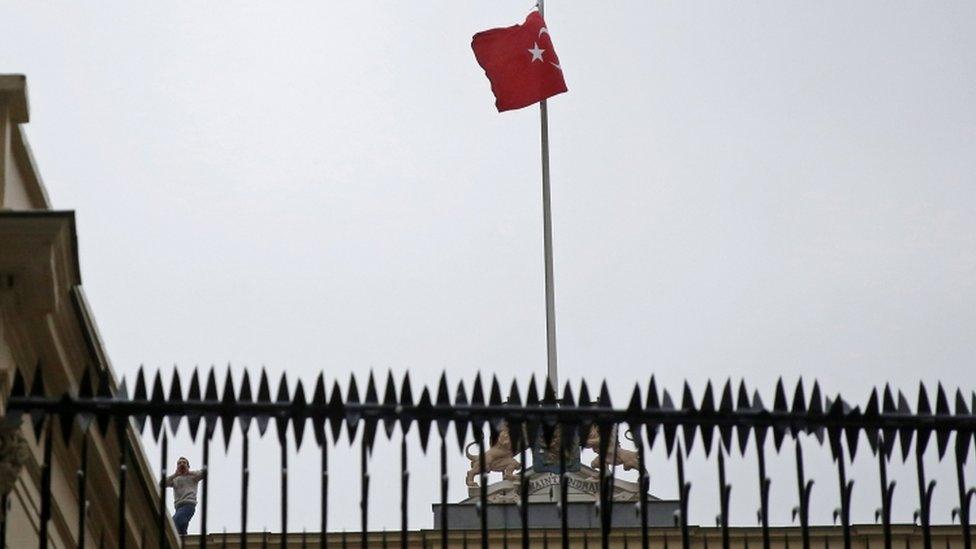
[536,52]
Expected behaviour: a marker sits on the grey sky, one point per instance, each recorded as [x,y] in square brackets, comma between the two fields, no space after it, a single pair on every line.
[739,189]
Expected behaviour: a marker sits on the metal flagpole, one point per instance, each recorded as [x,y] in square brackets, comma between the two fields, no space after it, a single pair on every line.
[547,241]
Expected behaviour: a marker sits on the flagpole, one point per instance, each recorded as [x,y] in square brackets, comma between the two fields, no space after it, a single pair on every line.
[547,241]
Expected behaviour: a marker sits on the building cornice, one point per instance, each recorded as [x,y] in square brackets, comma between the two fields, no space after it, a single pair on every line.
[13,90]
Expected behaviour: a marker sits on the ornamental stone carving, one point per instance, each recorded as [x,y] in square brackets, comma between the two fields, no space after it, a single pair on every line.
[498,458]
[14,453]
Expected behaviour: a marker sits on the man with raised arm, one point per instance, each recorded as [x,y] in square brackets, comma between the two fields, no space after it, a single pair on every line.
[184,484]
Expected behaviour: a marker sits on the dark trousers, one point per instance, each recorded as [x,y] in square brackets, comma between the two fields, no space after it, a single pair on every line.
[182,516]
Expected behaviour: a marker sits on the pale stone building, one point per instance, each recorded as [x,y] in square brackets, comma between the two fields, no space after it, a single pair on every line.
[46,323]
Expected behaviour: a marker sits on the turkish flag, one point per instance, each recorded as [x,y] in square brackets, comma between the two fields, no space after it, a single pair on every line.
[520,63]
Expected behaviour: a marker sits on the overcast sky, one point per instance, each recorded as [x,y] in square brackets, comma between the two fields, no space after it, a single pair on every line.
[748,189]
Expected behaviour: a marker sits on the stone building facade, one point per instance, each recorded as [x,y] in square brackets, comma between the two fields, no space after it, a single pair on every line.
[47,329]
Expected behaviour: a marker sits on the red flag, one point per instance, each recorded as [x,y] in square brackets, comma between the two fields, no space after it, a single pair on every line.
[520,63]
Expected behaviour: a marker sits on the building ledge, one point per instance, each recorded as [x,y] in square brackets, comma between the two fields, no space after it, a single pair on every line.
[38,257]
[13,88]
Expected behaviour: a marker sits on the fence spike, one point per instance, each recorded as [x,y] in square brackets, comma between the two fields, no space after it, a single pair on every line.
[924,408]
[688,405]
[176,396]
[852,432]
[962,440]
[779,406]
[319,411]
[549,420]
[461,425]
[103,392]
[390,403]
[942,409]
[496,421]
[406,400]
[352,414]
[19,388]
[760,430]
[707,410]
[670,429]
[424,408]
[228,403]
[264,397]
[816,410]
[725,408]
[158,397]
[889,434]
[193,418]
[85,392]
[799,400]
[871,412]
[299,411]
[369,432]
[244,397]
[139,394]
[336,411]
[905,434]
[443,401]
[653,404]
[281,421]
[633,409]
[37,391]
[477,399]
[515,422]
[210,395]
[742,404]
[65,419]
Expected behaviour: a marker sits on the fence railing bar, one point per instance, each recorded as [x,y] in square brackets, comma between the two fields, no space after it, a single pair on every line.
[746,418]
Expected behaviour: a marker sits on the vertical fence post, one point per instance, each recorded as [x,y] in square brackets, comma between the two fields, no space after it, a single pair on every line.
[82,489]
[45,515]
[404,483]
[324,505]
[245,480]
[283,444]
[364,484]
[120,423]
[161,517]
[444,491]
[207,432]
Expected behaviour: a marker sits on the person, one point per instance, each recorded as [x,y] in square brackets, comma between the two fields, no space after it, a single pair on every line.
[184,484]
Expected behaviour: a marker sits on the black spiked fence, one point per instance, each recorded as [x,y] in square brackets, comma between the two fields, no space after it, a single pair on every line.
[724,421]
